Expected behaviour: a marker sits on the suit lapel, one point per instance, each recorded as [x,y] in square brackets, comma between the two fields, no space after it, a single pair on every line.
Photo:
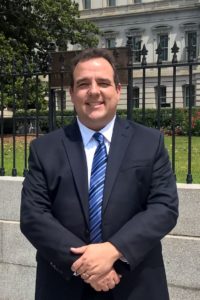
[73,144]
[122,135]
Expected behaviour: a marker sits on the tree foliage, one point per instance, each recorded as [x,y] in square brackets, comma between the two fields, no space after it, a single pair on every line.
[29,28]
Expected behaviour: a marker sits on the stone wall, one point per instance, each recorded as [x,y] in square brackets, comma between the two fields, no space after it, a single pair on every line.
[181,248]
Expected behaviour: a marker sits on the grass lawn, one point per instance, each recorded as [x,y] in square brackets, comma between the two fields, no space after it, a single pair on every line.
[181,157]
[8,155]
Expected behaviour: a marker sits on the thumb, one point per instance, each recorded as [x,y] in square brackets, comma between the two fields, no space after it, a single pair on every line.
[78,250]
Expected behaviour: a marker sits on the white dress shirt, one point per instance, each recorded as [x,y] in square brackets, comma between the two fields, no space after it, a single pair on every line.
[90,144]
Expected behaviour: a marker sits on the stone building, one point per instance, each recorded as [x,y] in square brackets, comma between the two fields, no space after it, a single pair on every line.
[151,23]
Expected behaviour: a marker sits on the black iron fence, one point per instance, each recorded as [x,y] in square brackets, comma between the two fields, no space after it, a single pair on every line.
[34,100]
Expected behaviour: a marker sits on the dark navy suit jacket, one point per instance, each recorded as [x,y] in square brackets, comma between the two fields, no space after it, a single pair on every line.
[140,206]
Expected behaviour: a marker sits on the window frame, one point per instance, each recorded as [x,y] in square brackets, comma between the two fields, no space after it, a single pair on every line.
[163,96]
[194,54]
[110,3]
[86,4]
[136,96]
[165,49]
[109,41]
[136,39]
[59,96]
[186,95]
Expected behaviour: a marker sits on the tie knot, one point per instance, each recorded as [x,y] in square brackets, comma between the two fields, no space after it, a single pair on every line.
[98,137]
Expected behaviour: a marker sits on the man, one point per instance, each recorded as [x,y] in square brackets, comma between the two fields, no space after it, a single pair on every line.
[109,249]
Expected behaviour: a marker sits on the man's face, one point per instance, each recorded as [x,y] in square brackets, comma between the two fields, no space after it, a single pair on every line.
[94,93]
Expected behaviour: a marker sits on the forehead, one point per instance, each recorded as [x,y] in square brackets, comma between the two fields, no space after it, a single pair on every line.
[94,66]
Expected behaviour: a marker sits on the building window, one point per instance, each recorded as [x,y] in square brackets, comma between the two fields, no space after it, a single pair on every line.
[162,94]
[86,4]
[186,95]
[163,41]
[162,32]
[110,43]
[136,43]
[191,31]
[109,39]
[136,97]
[111,2]
[60,99]
[191,42]
[137,1]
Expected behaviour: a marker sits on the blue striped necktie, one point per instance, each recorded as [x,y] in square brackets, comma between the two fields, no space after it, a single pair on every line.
[96,189]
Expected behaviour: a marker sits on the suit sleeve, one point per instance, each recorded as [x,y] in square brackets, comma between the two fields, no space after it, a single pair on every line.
[145,229]
[42,229]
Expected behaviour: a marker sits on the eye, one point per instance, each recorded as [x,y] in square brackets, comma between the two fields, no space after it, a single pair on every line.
[82,84]
[104,83]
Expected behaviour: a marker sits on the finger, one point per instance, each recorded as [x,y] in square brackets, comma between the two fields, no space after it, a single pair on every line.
[75,268]
[95,287]
[93,277]
[91,280]
[111,285]
[79,250]
[83,269]
[117,279]
[76,265]
[105,288]
[85,276]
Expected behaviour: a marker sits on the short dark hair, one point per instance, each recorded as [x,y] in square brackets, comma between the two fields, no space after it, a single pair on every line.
[90,54]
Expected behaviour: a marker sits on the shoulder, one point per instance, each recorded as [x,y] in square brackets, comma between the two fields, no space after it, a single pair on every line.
[139,129]
[55,137]
[48,139]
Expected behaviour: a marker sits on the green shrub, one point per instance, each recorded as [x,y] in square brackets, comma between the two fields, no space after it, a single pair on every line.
[181,123]
[196,123]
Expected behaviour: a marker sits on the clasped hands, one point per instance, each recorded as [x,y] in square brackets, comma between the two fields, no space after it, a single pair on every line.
[95,265]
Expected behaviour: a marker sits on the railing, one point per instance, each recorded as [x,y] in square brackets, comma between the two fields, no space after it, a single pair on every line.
[31,123]
[174,65]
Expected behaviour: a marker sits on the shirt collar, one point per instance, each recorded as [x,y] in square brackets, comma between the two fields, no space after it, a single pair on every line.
[87,133]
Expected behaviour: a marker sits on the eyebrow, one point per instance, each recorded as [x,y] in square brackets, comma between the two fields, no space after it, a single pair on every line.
[82,80]
[88,79]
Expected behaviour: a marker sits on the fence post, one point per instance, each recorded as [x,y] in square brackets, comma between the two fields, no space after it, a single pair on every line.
[26,74]
[190,60]
[159,62]
[2,74]
[144,52]
[130,103]
[62,70]
[52,108]
[175,50]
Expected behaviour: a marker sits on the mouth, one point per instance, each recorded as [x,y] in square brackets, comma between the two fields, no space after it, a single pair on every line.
[95,104]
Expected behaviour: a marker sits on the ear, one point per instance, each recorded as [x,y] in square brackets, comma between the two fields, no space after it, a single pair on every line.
[118,88]
[71,93]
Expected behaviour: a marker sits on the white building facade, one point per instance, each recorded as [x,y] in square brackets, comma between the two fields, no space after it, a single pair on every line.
[151,23]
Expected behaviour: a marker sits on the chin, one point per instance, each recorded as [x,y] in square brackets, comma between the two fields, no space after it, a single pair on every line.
[97,115]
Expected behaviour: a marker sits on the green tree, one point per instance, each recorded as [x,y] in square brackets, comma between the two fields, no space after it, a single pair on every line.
[28,28]
[34,24]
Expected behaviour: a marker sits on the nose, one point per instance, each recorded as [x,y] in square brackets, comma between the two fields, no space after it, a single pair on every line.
[94,88]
